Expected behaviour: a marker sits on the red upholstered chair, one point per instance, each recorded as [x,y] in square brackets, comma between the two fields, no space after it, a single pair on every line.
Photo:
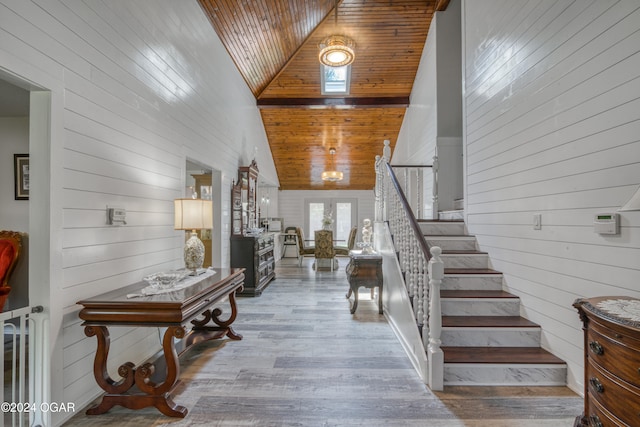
[10,247]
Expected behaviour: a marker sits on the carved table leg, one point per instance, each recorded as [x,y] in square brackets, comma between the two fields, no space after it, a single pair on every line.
[354,306]
[157,395]
[227,324]
[223,326]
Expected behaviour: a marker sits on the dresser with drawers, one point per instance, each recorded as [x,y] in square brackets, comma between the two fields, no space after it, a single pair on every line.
[611,360]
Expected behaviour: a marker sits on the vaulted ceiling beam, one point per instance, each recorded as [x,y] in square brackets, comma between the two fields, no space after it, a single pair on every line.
[383,102]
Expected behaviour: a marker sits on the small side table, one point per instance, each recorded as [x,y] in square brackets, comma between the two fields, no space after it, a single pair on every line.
[364,270]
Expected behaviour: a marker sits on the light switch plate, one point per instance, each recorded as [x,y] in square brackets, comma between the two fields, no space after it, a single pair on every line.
[537,221]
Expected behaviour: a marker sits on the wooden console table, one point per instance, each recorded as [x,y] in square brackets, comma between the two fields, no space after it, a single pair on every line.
[364,270]
[187,314]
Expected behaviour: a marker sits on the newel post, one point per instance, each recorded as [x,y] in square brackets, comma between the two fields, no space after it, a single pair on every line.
[434,352]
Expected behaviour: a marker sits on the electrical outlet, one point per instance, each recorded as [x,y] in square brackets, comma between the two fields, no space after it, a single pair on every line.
[537,221]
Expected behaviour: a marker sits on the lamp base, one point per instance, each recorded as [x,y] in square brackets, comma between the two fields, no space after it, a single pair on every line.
[193,252]
[197,271]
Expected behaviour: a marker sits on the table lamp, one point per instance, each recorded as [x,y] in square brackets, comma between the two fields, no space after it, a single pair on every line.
[193,214]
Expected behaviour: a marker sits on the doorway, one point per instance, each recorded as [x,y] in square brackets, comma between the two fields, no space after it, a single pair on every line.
[343,213]
[202,182]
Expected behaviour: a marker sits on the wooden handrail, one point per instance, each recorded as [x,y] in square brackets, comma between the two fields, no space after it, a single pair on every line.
[407,208]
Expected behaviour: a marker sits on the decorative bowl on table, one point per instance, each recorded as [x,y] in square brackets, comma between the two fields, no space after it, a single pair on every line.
[165,279]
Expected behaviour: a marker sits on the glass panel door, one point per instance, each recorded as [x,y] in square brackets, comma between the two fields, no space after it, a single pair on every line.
[343,213]
[342,221]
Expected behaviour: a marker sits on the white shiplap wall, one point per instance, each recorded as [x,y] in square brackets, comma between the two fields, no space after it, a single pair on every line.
[551,102]
[417,137]
[138,86]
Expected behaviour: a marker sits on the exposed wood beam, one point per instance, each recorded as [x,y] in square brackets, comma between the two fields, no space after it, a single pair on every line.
[383,102]
[441,5]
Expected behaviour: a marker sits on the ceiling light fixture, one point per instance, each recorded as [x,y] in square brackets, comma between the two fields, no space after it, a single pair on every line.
[332,175]
[337,50]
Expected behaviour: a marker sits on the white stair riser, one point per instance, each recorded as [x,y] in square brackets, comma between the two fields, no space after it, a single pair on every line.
[442,228]
[452,244]
[490,337]
[465,261]
[497,375]
[472,282]
[458,204]
[451,215]
[480,307]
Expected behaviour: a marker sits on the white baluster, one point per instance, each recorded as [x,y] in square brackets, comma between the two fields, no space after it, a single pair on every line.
[419,189]
[435,354]
[419,285]
[435,187]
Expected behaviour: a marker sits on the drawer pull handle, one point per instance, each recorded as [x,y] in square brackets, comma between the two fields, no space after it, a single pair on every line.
[595,421]
[596,384]
[596,347]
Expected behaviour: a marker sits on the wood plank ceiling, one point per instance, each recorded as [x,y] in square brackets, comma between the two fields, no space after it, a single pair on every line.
[274,44]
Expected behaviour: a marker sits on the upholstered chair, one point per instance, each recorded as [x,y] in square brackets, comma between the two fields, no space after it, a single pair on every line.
[351,242]
[10,248]
[303,249]
[324,246]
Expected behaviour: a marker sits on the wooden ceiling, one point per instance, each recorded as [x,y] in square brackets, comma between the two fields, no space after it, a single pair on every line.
[274,44]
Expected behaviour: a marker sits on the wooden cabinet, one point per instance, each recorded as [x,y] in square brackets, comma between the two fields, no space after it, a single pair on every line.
[257,255]
[364,270]
[611,360]
[244,200]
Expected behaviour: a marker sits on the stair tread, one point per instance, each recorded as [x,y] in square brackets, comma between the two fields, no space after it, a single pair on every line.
[445,236]
[464,293]
[470,271]
[500,355]
[463,252]
[487,322]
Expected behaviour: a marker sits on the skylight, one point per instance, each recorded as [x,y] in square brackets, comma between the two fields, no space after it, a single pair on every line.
[335,80]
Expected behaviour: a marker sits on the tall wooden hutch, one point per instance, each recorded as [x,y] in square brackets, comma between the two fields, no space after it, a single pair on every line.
[250,249]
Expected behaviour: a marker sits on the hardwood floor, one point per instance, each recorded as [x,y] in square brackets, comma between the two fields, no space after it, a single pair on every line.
[306,361]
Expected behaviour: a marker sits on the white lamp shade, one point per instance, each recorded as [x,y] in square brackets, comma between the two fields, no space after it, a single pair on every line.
[193,214]
[633,204]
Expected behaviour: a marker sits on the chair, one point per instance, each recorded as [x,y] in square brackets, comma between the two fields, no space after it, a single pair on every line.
[351,242]
[324,247]
[10,248]
[303,249]
[290,239]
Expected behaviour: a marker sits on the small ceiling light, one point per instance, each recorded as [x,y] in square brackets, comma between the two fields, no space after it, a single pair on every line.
[332,175]
[336,50]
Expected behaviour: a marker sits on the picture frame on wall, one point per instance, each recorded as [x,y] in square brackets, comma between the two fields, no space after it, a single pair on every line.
[21,176]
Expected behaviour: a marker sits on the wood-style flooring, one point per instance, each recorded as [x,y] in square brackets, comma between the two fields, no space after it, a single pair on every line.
[306,361]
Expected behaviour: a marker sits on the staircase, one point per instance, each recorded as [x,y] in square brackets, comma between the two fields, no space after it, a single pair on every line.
[484,339]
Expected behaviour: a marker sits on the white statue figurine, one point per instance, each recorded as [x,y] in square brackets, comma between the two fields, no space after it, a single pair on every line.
[366,237]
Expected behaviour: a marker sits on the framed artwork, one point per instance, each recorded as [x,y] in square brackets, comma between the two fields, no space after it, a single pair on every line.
[21,176]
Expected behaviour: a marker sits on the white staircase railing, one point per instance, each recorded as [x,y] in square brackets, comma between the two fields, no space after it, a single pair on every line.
[422,273]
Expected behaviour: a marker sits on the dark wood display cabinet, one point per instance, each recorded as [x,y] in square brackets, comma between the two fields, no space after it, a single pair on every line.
[256,255]
[611,361]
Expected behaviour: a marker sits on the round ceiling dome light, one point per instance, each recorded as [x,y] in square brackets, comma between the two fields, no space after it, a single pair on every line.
[336,51]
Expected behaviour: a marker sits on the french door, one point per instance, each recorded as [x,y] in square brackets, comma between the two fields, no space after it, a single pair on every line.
[343,212]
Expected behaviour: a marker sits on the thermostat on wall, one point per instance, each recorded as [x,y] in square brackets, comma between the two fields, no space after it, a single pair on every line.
[606,223]
[116,216]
